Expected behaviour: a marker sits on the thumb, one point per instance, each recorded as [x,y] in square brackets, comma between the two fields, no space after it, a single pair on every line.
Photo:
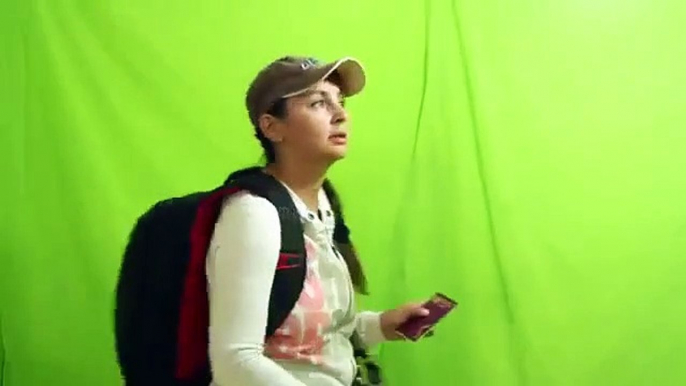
[417,310]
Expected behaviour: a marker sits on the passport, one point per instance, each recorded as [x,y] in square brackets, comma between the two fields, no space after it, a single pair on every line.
[438,306]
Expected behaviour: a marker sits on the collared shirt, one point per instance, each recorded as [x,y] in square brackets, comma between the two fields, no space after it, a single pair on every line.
[312,346]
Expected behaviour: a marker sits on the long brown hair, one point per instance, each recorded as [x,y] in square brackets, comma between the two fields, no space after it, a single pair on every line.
[343,242]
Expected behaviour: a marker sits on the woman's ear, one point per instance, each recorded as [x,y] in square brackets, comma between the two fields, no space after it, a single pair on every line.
[270,127]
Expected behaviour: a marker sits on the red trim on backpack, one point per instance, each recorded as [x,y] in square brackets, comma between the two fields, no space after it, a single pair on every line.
[192,349]
[288,260]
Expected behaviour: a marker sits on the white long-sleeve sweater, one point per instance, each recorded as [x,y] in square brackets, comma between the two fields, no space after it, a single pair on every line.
[312,346]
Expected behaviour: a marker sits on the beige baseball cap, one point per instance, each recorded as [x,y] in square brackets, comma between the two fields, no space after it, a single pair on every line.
[292,75]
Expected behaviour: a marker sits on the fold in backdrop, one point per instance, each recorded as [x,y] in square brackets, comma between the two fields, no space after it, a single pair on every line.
[526,158]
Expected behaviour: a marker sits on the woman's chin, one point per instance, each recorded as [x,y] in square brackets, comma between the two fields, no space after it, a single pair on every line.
[336,154]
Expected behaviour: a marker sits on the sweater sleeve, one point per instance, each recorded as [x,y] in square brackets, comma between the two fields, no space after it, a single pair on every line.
[240,270]
[368,326]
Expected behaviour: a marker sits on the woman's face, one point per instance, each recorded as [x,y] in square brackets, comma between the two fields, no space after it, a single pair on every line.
[315,127]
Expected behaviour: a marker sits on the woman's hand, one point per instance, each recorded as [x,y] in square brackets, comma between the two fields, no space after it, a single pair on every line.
[392,319]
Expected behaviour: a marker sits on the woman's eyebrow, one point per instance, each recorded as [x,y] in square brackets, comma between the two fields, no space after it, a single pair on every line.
[324,94]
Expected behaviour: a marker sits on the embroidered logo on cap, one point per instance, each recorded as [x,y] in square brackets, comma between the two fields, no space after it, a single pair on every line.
[309,63]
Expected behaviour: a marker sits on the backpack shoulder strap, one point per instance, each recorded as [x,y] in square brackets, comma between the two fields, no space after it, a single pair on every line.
[289,274]
[291,268]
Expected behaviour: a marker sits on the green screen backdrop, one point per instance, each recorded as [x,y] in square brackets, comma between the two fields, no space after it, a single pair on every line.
[524,157]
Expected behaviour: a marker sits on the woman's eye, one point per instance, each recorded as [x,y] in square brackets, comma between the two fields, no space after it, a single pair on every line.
[318,103]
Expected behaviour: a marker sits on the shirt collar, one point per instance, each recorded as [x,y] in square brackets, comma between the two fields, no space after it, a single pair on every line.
[305,213]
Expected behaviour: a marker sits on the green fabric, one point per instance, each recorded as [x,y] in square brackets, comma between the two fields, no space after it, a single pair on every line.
[524,157]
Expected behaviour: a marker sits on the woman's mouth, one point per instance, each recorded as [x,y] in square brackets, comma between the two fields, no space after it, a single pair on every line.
[339,138]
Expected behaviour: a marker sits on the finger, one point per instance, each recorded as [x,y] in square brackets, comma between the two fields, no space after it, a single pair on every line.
[416,305]
[419,311]
[412,307]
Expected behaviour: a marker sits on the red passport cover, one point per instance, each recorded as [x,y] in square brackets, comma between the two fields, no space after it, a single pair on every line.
[439,306]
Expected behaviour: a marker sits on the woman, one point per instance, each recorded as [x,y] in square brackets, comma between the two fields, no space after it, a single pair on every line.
[297,108]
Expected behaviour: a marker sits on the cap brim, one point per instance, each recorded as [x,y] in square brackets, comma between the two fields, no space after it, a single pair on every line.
[351,72]
[352,75]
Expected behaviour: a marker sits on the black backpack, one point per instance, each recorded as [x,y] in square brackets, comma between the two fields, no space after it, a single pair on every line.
[161,314]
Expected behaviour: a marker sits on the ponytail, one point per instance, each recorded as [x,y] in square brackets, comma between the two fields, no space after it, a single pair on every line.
[343,242]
